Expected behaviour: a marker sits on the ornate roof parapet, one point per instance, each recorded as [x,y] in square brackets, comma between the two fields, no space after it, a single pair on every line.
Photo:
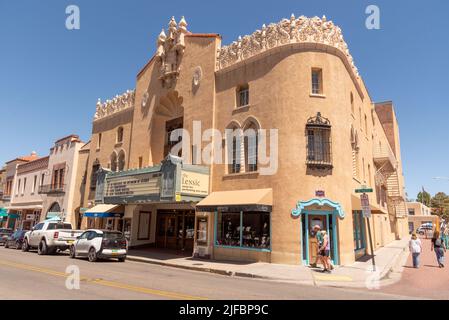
[118,103]
[286,31]
[170,50]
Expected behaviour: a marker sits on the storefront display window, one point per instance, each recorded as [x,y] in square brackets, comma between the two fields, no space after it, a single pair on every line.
[228,229]
[245,229]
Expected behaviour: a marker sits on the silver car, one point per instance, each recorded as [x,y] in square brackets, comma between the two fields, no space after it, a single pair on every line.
[97,244]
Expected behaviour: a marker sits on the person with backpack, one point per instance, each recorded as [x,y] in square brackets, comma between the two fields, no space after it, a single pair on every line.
[416,249]
[439,248]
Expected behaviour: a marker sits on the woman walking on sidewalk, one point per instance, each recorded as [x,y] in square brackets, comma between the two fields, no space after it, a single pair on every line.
[439,247]
[415,246]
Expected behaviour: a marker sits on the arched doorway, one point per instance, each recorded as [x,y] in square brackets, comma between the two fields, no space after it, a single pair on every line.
[54,211]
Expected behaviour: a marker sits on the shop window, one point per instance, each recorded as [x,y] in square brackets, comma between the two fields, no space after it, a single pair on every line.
[318,131]
[120,135]
[245,230]
[243,96]
[317,81]
[251,148]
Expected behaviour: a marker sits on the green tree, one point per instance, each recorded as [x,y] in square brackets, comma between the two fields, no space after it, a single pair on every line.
[440,204]
[424,197]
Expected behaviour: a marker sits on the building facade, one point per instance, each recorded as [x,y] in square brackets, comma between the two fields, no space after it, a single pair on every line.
[235,152]
[26,202]
[419,214]
[59,188]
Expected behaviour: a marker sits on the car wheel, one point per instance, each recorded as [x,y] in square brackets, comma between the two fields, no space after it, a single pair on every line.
[25,246]
[92,256]
[42,248]
[72,252]
[18,246]
[122,259]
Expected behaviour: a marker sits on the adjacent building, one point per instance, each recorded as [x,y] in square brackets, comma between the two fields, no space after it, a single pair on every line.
[419,214]
[25,207]
[59,188]
[236,151]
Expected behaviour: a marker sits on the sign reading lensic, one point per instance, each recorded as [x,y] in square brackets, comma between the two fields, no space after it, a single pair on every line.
[194,183]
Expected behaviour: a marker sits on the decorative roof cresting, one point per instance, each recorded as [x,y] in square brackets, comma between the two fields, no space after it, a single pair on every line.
[286,31]
[118,103]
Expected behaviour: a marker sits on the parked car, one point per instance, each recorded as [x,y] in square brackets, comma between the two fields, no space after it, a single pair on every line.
[4,234]
[425,227]
[50,236]
[16,239]
[100,244]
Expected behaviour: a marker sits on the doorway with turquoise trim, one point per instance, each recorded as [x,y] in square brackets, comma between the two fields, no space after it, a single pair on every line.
[322,212]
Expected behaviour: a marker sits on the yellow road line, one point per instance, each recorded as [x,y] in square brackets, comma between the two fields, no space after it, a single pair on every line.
[106,283]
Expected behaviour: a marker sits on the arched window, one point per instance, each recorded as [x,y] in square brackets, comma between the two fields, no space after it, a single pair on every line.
[251,141]
[114,161]
[94,175]
[120,135]
[352,103]
[355,153]
[234,148]
[121,161]
[318,131]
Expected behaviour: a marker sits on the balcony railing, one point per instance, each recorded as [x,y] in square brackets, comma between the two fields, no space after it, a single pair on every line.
[51,189]
[384,157]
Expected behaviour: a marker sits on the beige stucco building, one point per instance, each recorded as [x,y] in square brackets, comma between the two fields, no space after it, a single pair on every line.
[26,200]
[419,214]
[294,133]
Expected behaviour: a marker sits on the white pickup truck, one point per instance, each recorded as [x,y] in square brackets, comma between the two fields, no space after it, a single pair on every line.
[50,236]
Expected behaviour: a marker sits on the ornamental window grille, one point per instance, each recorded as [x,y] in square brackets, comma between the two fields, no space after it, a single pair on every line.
[318,131]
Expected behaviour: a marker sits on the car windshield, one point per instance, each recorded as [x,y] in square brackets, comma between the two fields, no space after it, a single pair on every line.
[53,226]
[112,235]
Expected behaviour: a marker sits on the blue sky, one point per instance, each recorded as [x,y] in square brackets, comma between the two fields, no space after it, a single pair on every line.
[51,78]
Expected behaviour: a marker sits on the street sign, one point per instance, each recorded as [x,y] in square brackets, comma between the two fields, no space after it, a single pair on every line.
[366,209]
[364,190]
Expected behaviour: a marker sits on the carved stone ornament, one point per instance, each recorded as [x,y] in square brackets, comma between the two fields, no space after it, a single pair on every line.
[145,98]
[170,50]
[287,31]
[197,75]
[118,103]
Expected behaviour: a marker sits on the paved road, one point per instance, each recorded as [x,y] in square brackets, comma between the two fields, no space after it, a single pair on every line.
[25,275]
[428,281]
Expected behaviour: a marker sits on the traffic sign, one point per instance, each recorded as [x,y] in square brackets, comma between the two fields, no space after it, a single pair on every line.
[364,190]
[366,209]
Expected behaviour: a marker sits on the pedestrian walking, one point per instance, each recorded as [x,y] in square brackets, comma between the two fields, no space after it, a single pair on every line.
[319,238]
[445,233]
[324,252]
[415,246]
[439,248]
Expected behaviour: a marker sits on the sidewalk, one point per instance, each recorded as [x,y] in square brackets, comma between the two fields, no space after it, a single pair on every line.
[389,263]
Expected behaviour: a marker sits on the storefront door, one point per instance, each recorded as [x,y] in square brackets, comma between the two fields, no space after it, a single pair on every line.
[175,230]
[326,221]
[166,226]
[315,220]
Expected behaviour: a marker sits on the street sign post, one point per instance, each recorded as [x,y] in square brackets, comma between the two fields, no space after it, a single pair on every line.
[366,212]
